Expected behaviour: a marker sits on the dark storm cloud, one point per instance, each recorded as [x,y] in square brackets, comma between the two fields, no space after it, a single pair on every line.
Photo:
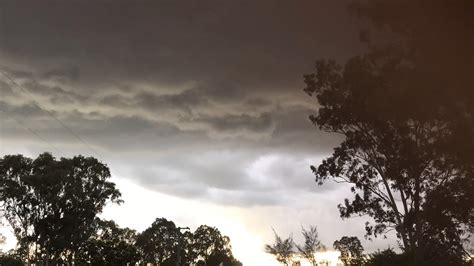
[246,41]
[184,101]
[209,89]
[222,178]
[240,122]
[66,73]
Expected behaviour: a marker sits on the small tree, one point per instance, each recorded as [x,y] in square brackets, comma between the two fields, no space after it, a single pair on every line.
[311,244]
[351,250]
[282,249]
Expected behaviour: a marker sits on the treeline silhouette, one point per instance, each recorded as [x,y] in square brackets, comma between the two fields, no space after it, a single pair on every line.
[52,207]
[289,253]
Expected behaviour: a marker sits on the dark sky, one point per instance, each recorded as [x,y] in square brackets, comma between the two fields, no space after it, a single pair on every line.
[198,101]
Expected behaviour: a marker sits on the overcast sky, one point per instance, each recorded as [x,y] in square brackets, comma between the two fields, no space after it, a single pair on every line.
[196,106]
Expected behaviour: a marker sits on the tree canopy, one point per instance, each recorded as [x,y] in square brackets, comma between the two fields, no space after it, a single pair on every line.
[351,250]
[51,204]
[109,245]
[161,242]
[282,249]
[405,109]
[311,245]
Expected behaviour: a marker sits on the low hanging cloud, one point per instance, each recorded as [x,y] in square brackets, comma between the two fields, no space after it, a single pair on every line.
[237,162]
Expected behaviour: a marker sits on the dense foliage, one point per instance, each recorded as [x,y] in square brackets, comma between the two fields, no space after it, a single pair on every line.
[351,250]
[52,206]
[405,109]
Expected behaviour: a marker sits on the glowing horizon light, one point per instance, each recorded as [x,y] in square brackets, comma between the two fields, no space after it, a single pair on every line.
[323,258]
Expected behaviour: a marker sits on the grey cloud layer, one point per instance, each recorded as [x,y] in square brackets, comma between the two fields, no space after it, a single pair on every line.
[199,100]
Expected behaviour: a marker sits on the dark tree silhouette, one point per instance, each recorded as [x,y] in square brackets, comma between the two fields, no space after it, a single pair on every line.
[52,207]
[406,113]
[206,246]
[211,247]
[386,257]
[392,160]
[311,244]
[51,204]
[351,250]
[159,242]
[109,245]
[282,249]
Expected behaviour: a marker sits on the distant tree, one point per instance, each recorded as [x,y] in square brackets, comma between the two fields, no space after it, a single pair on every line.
[311,244]
[159,242]
[351,250]
[282,249]
[51,204]
[211,247]
[109,245]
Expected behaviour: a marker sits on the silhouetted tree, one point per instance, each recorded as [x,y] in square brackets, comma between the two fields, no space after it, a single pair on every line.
[388,157]
[159,242]
[351,250]
[51,204]
[109,245]
[282,249]
[406,113]
[437,84]
[211,247]
[311,244]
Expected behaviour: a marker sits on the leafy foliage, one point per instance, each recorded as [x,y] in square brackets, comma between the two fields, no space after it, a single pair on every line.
[109,245]
[159,242]
[52,207]
[51,204]
[386,257]
[211,247]
[351,250]
[282,249]
[389,258]
[311,244]
[408,127]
